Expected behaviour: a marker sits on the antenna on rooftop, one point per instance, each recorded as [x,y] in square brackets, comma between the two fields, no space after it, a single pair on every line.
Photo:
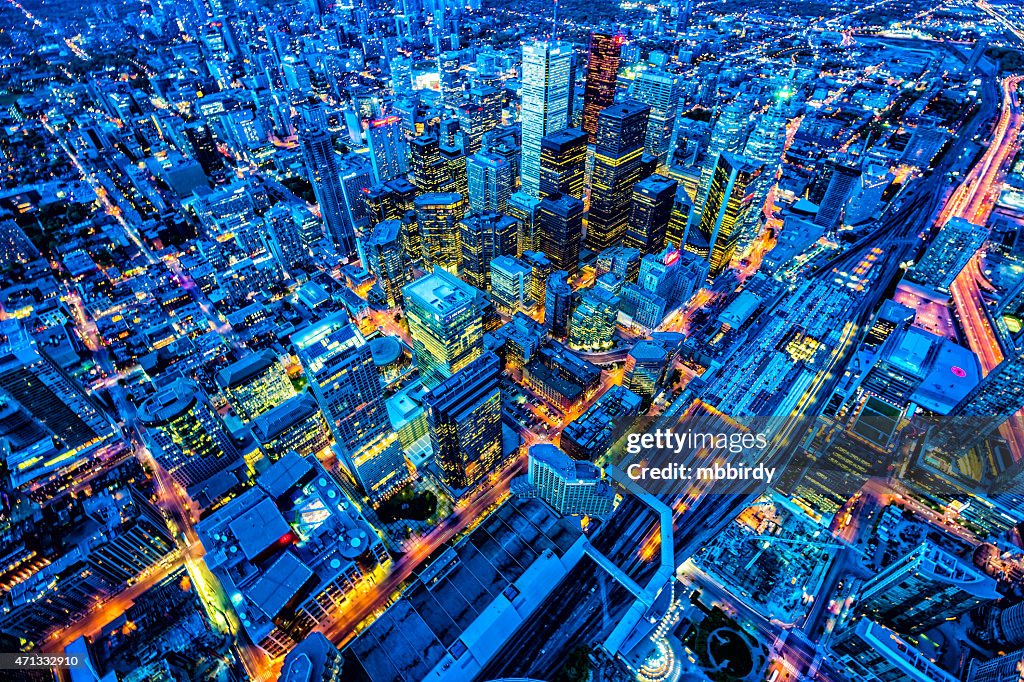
[554,22]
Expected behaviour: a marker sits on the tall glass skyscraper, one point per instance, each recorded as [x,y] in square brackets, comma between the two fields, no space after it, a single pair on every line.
[621,130]
[728,201]
[661,90]
[446,324]
[545,102]
[563,163]
[602,71]
[490,182]
[325,176]
[345,382]
[388,149]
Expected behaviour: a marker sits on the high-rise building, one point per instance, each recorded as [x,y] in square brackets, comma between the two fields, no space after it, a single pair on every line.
[653,200]
[924,588]
[602,73]
[1005,668]
[540,269]
[524,208]
[570,487]
[841,185]
[62,428]
[868,651]
[729,134]
[388,149]
[446,323]
[385,258]
[324,168]
[255,384]
[558,304]
[510,284]
[314,658]
[947,254]
[342,376]
[484,237]
[296,424]
[679,220]
[437,217]
[284,233]
[453,170]
[188,438]
[645,369]
[490,182]
[764,147]
[617,154]
[390,200]
[593,320]
[560,231]
[489,99]
[545,102]
[426,167]
[464,421]
[563,163]
[661,91]
[728,202]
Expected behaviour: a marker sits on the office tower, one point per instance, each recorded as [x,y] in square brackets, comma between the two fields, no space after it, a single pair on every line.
[425,165]
[545,102]
[448,70]
[622,261]
[602,72]
[385,258]
[490,182]
[765,147]
[292,552]
[453,170]
[589,436]
[661,91]
[314,658]
[563,163]
[653,199]
[679,219]
[188,438]
[483,238]
[525,209]
[540,269]
[388,148]
[729,134]
[255,384]
[841,185]
[471,127]
[324,170]
[571,487]
[947,254]
[1004,668]
[339,366]
[390,200]
[296,424]
[645,368]
[593,321]
[560,231]
[558,304]
[726,207]
[868,651]
[924,588]
[446,324]
[620,145]
[464,421]
[63,428]
[510,284]
[437,217]
[865,203]
[489,99]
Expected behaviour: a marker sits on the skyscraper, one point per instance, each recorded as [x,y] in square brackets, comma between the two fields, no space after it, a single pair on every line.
[563,163]
[726,207]
[841,184]
[545,102]
[425,164]
[324,169]
[438,216]
[509,284]
[490,182]
[602,72]
[924,588]
[255,384]
[385,258]
[661,91]
[339,366]
[620,145]
[560,231]
[679,220]
[868,651]
[729,134]
[571,487]
[558,304]
[388,149]
[525,209]
[483,238]
[464,421]
[593,320]
[653,199]
[446,325]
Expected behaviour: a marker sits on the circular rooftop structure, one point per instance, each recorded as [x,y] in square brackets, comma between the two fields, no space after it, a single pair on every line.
[386,350]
